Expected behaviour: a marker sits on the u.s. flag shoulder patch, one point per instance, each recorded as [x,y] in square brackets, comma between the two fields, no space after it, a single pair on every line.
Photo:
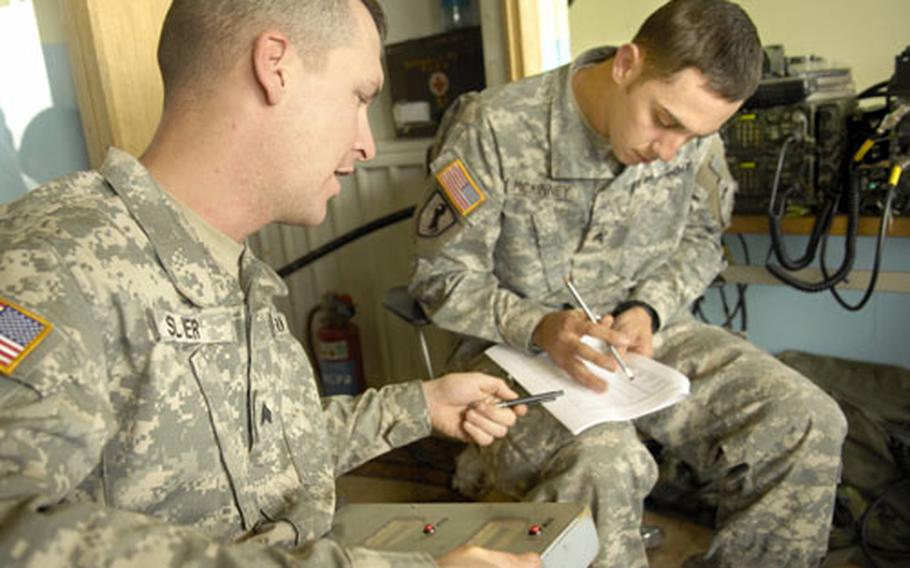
[461,190]
[20,332]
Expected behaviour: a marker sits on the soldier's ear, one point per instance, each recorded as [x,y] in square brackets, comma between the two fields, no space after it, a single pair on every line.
[627,64]
[271,57]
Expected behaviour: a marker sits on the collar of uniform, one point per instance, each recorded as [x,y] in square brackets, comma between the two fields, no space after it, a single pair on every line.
[576,150]
[189,264]
[259,281]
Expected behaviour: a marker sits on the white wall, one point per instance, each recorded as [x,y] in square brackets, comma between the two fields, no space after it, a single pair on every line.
[862,35]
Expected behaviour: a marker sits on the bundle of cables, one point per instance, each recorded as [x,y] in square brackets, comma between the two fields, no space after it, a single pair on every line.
[731,310]
[887,132]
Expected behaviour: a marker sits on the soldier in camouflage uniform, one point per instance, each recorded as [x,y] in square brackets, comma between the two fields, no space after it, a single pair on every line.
[609,170]
[154,408]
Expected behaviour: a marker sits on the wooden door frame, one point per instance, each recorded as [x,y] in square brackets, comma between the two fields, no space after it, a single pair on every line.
[115,73]
[522,34]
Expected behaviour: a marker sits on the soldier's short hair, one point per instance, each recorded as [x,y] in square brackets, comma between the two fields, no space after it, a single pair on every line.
[202,38]
[716,37]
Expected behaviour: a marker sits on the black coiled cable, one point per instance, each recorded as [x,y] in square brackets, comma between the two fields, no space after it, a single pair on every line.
[820,227]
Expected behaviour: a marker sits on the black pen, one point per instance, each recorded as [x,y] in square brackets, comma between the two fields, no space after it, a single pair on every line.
[548,396]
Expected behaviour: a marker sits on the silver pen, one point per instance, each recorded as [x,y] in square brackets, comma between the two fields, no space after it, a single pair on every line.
[584,307]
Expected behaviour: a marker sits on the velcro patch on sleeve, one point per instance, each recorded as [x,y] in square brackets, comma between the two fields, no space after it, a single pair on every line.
[461,190]
[435,217]
[20,332]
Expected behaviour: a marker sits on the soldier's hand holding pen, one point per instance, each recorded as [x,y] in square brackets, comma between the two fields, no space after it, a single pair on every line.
[559,334]
[464,406]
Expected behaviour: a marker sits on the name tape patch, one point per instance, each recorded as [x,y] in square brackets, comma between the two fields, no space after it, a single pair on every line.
[20,332]
[176,328]
[463,193]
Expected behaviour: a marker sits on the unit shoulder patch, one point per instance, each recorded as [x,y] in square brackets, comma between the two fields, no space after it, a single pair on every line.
[20,332]
[435,217]
[460,188]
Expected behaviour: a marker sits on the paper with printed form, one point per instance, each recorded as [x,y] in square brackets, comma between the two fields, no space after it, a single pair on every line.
[655,387]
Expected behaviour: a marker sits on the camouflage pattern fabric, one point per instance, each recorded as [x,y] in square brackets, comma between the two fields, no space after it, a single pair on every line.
[557,203]
[169,418]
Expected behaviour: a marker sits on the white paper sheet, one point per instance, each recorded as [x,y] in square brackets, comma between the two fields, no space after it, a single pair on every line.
[655,387]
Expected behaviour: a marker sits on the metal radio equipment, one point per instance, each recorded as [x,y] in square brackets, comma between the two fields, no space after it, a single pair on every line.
[791,138]
[754,138]
[802,145]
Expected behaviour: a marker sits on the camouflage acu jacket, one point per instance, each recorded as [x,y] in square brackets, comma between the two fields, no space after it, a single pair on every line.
[159,412]
[523,193]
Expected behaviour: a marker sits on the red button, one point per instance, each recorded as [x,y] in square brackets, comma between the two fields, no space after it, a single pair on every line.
[534,530]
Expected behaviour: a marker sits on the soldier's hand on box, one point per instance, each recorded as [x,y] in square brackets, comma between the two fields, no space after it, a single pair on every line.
[463,406]
[476,557]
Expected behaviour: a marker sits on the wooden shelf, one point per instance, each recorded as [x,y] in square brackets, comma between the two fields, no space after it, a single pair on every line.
[868,226]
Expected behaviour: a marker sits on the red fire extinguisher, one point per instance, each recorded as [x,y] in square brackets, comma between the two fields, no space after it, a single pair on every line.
[337,347]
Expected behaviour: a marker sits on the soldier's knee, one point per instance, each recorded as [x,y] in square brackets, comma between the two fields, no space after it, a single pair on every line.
[828,418]
[629,461]
[812,412]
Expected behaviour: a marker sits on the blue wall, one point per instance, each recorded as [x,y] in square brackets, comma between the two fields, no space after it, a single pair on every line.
[781,317]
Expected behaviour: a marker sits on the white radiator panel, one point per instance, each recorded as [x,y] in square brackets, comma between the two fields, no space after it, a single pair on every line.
[365,268]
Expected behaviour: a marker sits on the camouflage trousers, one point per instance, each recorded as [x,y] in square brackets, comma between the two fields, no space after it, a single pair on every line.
[763,435]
